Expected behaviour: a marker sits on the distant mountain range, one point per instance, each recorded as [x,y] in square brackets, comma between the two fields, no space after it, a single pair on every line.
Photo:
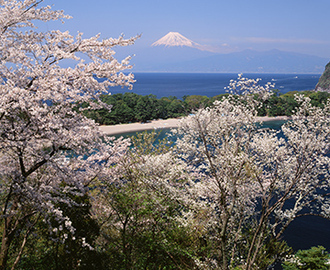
[176,53]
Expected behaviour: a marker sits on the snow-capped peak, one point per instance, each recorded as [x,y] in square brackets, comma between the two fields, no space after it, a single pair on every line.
[176,39]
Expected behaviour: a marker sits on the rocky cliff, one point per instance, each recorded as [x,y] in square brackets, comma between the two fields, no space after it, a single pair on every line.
[324,81]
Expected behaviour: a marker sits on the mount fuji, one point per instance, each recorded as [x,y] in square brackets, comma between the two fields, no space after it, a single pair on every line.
[169,50]
[176,53]
[173,39]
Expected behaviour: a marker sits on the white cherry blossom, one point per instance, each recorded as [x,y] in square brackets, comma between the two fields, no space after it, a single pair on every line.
[48,151]
[245,176]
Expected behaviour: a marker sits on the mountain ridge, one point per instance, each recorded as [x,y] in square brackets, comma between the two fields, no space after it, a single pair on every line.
[176,53]
[185,59]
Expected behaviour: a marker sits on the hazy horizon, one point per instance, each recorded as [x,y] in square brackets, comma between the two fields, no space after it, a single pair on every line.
[225,26]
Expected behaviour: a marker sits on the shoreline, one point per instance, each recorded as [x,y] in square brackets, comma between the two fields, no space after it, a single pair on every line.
[167,123]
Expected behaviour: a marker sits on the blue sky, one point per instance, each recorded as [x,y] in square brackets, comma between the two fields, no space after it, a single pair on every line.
[232,25]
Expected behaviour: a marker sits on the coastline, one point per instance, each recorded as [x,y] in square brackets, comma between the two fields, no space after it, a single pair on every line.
[167,123]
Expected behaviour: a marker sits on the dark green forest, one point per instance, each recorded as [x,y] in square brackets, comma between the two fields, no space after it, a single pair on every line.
[130,107]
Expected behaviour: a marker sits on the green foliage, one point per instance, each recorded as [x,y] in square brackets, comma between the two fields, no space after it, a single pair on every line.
[141,231]
[195,102]
[49,249]
[218,97]
[147,237]
[286,104]
[131,107]
[315,258]
[145,108]
[324,81]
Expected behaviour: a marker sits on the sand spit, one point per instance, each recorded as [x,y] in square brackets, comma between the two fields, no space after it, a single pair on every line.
[156,124]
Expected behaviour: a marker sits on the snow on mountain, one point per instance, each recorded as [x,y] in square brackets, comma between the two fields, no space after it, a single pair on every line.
[176,39]
[176,53]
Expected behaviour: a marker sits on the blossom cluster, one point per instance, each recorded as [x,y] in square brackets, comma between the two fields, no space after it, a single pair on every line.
[49,152]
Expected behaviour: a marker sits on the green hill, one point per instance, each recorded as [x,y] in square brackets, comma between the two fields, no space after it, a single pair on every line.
[324,81]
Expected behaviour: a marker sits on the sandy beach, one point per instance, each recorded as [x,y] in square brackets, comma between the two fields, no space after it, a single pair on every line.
[157,124]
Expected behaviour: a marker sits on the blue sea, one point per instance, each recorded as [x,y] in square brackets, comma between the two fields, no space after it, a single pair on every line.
[210,84]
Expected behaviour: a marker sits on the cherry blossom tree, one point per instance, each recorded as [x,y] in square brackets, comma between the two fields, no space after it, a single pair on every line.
[139,210]
[252,182]
[49,152]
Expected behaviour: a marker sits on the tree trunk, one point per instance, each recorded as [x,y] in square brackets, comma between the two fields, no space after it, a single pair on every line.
[28,232]
[6,242]
[9,230]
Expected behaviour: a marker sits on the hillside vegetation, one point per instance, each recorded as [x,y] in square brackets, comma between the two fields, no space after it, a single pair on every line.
[324,81]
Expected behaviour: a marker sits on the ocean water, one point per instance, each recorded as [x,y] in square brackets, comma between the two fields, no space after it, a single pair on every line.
[210,84]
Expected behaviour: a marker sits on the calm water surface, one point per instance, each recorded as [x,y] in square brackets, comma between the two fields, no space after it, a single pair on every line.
[210,84]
